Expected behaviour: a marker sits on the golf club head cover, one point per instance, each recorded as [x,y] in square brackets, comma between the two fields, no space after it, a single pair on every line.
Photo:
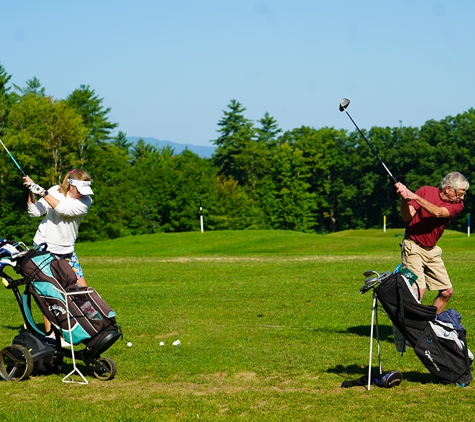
[36,189]
[389,380]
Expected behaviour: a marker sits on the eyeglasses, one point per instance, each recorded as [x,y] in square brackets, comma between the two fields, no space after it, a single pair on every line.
[459,194]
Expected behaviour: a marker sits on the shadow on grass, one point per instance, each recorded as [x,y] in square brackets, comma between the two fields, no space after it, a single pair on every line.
[385,335]
[13,327]
[353,372]
[385,332]
[66,368]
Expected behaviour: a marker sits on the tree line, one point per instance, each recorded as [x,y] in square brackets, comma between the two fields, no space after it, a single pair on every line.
[260,177]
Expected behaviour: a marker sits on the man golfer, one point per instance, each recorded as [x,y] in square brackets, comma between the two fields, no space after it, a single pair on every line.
[427,212]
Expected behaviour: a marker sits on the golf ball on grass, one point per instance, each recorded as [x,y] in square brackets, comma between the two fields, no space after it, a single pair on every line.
[162,343]
[129,344]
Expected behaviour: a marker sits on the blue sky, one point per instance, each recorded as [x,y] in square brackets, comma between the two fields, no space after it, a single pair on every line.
[168,69]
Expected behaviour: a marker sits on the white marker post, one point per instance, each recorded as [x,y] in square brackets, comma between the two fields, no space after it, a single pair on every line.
[201,217]
[468,224]
[384,224]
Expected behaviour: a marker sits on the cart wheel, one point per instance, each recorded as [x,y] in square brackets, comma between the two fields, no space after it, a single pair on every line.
[16,363]
[106,369]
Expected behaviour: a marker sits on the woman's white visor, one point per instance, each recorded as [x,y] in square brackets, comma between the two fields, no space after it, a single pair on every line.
[83,186]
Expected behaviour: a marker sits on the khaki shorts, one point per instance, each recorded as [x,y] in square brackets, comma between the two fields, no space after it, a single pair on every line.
[427,264]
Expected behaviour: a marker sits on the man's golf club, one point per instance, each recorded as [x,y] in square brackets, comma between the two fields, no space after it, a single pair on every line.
[371,280]
[369,273]
[11,156]
[344,103]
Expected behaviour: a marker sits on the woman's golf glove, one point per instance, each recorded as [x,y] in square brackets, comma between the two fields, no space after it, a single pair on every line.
[36,189]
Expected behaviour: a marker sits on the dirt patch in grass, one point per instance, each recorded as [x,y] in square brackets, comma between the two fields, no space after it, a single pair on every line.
[208,385]
[144,260]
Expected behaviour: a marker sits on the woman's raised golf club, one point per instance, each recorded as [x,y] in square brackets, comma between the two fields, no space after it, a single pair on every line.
[11,156]
[344,103]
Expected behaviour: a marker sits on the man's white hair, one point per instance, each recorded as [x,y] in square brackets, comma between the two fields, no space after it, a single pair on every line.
[455,180]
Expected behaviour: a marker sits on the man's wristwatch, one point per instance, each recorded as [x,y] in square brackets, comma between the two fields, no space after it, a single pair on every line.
[45,193]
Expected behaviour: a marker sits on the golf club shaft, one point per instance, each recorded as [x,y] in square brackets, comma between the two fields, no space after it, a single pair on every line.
[11,156]
[372,149]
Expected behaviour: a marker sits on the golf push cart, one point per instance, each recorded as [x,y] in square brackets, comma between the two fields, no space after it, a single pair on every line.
[78,316]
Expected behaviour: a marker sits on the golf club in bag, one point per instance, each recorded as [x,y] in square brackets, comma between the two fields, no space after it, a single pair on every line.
[344,103]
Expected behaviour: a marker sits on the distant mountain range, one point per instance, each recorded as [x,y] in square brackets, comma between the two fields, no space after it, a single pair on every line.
[202,151]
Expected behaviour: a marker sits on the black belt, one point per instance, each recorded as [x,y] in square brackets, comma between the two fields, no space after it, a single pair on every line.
[418,244]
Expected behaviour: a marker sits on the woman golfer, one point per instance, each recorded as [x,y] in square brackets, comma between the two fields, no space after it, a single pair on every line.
[64,207]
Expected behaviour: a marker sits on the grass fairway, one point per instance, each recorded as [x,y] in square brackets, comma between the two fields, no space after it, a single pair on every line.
[270,324]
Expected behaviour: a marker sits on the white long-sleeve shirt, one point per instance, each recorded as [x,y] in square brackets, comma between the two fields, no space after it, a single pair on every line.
[59,228]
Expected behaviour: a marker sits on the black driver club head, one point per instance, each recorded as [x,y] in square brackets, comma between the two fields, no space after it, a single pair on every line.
[345,102]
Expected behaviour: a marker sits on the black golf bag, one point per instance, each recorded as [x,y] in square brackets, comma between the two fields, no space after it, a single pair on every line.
[440,346]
